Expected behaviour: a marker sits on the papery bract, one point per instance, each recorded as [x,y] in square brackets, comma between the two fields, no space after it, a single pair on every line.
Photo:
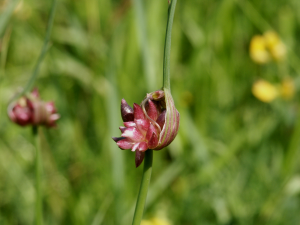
[152,125]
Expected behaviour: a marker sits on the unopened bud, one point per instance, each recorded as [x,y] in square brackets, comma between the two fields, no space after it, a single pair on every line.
[30,110]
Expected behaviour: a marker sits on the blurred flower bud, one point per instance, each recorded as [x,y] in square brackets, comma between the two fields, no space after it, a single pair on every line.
[264,91]
[287,88]
[263,47]
[258,50]
[155,221]
[275,45]
[152,125]
[30,110]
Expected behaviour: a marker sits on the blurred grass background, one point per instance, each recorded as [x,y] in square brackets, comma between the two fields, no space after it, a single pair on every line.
[235,159]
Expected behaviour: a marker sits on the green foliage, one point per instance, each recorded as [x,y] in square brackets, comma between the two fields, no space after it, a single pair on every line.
[235,159]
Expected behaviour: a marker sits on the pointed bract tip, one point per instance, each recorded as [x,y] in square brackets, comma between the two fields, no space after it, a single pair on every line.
[126,111]
[116,139]
[139,157]
[138,112]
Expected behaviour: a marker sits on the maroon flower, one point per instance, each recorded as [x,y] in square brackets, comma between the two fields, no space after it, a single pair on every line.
[152,125]
[30,110]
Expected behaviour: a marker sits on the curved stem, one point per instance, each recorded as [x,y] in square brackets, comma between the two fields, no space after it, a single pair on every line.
[38,200]
[140,204]
[167,53]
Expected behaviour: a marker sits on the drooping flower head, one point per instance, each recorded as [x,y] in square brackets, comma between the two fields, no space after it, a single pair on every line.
[30,110]
[152,125]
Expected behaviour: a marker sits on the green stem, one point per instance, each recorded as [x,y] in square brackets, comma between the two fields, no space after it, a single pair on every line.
[6,15]
[38,200]
[167,53]
[140,204]
[42,54]
[291,156]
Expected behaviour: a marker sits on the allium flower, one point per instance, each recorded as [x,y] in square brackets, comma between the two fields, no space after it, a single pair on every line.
[152,125]
[30,110]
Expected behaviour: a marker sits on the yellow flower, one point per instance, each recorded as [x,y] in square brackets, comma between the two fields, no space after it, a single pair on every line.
[275,45]
[155,221]
[146,222]
[258,50]
[263,47]
[287,88]
[264,91]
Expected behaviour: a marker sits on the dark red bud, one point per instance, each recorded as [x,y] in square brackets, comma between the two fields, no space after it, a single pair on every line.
[116,139]
[126,111]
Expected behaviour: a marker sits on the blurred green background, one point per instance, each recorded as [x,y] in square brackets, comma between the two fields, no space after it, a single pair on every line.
[235,159]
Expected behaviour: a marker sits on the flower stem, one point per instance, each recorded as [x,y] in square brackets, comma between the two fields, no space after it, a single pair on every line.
[6,15]
[167,53]
[38,200]
[140,204]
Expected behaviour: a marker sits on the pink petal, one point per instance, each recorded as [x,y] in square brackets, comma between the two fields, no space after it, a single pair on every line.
[126,111]
[153,142]
[12,116]
[138,112]
[35,93]
[125,144]
[54,117]
[150,131]
[23,115]
[139,157]
[143,146]
[129,124]
[161,119]
[122,129]
[135,147]
[52,120]
[152,110]
[133,134]
[50,107]
[142,125]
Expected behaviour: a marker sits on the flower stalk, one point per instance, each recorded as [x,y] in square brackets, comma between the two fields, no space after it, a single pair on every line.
[167,53]
[38,200]
[28,109]
[170,122]
[140,204]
